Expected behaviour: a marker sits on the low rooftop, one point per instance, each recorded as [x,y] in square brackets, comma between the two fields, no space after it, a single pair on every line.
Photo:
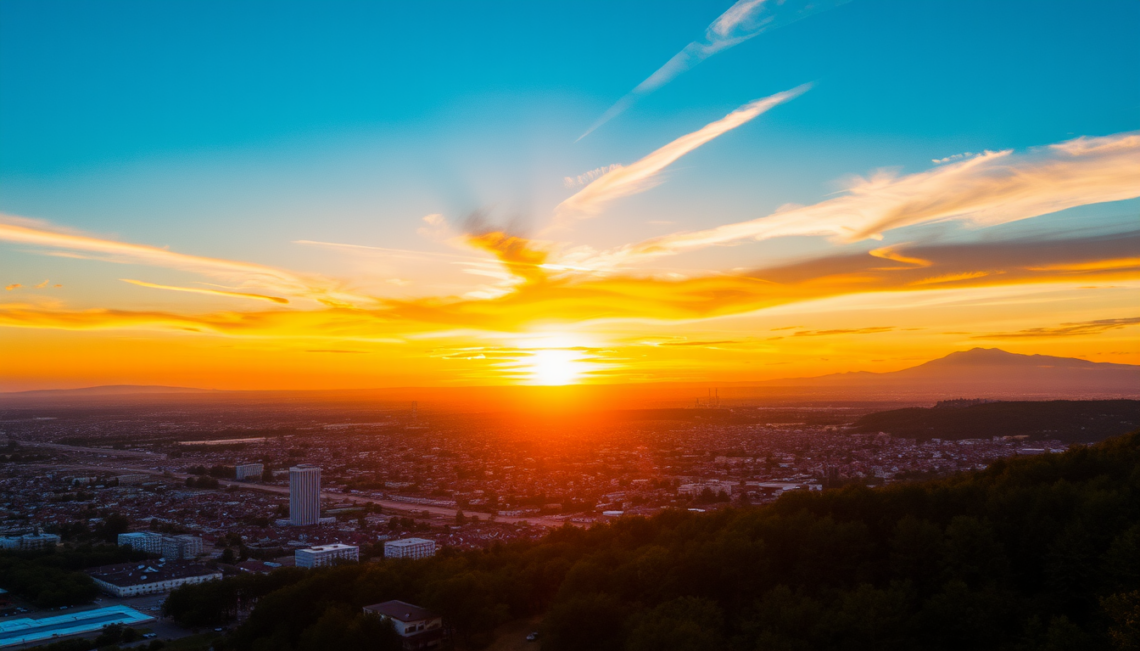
[401,611]
[128,574]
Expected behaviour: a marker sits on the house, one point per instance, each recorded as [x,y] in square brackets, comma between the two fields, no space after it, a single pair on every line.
[420,628]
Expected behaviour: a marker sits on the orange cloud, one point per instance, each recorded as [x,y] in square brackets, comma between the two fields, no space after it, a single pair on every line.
[517,254]
[1066,329]
[556,302]
[13,286]
[892,253]
[1096,265]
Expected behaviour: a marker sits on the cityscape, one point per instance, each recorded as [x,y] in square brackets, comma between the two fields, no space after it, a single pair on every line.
[712,325]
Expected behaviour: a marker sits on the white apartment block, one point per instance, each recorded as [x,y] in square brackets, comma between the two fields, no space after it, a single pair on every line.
[409,548]
[244,471]
[322,555]
[143,541]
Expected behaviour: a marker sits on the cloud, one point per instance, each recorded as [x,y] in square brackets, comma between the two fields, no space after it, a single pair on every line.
[1096,265]
[577,300]
[853,331]
[13,286]
[641,176]
[742,21]
[1077,329]
[211,292]
[939,161]
[892,253]
[29,232]
[586,177]
[43,284]
[991,188]
[725,342]
[517,254]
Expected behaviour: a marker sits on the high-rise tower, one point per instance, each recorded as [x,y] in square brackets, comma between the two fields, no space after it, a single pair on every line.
[304,494]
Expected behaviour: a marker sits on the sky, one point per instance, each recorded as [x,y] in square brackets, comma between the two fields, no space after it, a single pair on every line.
[350,195]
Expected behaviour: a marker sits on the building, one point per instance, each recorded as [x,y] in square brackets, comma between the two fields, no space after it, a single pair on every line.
[409,548]
[256,567]
[134,579]
[304,495]
[420,628]
[716,487]
[30,541]
[23,631]
[244,471]
[322,555]
[143,541]
[131,480]
[181,548]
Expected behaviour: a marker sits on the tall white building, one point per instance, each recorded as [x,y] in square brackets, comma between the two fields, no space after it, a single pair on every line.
[304,495]
[325,554]
[409,548]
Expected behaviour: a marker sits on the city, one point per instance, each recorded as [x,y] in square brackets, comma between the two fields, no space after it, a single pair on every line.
[711,325]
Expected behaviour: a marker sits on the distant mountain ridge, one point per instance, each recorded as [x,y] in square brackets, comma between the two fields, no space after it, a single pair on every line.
[109,390]
[986,372]
[975,373]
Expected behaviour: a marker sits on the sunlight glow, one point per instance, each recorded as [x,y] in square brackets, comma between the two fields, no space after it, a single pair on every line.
[555,367]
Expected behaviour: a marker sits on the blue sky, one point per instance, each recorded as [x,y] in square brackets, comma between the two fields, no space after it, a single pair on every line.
[234,130]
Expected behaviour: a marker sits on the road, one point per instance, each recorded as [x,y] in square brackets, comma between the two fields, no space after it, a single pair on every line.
[388,505]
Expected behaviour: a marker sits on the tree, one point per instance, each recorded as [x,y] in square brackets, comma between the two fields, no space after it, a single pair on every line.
[683,624]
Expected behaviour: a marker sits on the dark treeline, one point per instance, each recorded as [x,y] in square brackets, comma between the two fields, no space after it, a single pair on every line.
[1037,553]
[50,579]
[1072,421]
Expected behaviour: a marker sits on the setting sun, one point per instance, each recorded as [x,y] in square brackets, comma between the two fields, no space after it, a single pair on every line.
[555,367]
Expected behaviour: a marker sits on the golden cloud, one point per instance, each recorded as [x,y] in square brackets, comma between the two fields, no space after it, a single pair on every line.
[990,188]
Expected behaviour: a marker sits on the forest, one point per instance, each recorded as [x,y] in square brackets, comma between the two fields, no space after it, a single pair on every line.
[1031,553]
[1071,421]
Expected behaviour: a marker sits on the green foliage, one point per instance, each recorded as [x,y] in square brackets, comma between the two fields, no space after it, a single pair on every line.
[1073,421]
[51,578]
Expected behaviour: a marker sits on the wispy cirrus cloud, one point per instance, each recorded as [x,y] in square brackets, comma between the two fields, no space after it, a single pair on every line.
[1075,329]
[742,21]
[991,188]
[19,230]
[844,331]
[209,292]
[587,177]
[642,175]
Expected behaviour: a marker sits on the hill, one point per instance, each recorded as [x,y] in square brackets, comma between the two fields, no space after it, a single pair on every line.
[1084,421]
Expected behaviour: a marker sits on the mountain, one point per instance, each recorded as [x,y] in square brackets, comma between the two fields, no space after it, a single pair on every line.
[982,373]
[976,373]
[105,390]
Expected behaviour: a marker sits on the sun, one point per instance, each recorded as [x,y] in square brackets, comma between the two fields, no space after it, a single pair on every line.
[555,367]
